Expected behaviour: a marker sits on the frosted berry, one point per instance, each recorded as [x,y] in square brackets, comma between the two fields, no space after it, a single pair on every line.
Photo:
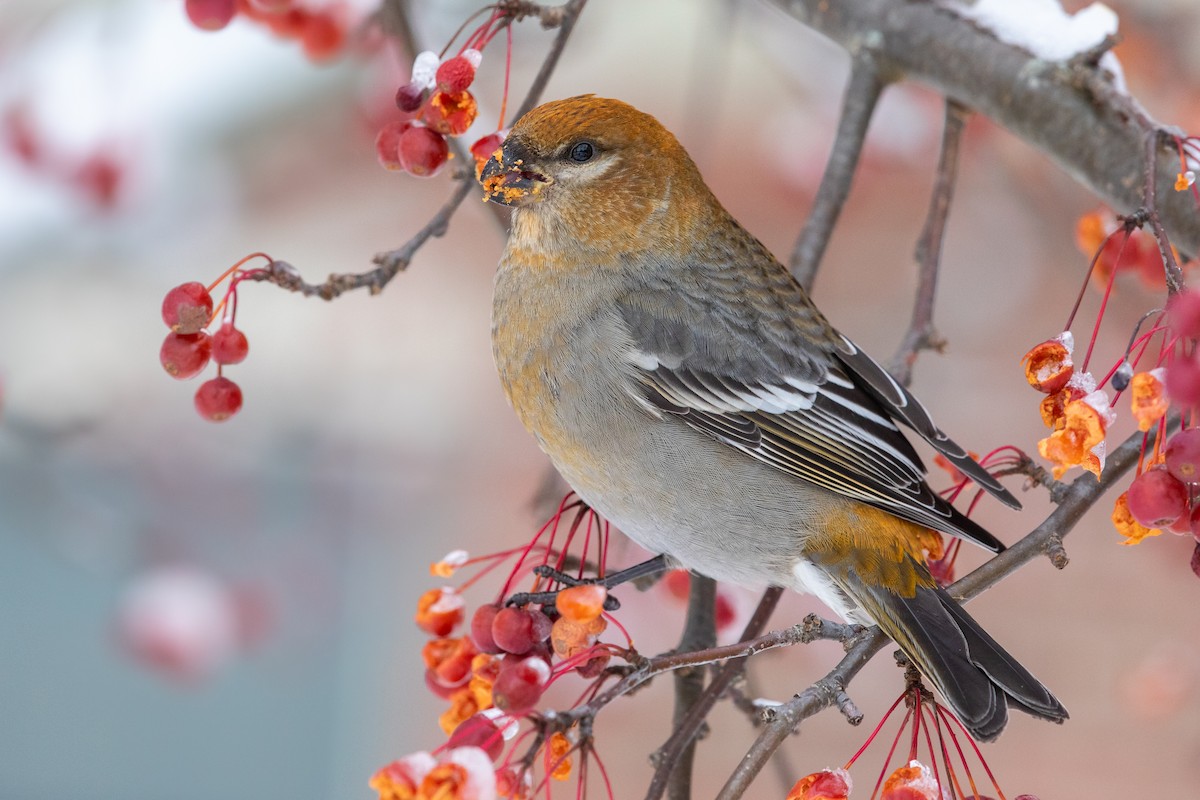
[1156,498]
[1048,366]
[187,308]
[1183,455]
[1183,314]
[455,74]
[218,399]
[520,684]
[229,345]
[422,152]
[210,15]
[410,97]
[184,355]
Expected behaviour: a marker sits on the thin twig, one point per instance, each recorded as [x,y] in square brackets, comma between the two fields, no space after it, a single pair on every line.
[391,262]
[1174,274]
[921,334]
[699,632]
[858,105]
[684,733]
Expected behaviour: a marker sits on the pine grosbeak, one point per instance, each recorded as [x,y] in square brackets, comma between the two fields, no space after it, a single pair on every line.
[688,389]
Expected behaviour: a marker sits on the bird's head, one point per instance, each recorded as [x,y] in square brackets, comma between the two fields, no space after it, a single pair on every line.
[587,159]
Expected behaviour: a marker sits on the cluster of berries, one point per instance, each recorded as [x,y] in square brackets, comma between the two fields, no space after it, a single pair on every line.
[188,310]
[496,671]
[99,176]
[321,31]
[437,103]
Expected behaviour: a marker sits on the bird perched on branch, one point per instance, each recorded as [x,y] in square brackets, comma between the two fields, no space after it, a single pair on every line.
[687,388]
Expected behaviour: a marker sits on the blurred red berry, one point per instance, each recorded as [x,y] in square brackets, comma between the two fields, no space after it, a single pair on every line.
[387,144]
[1156,498]
[422,151]
[218,399]
[1183,380]
[479,731]
[210,15]
[439,611]
[187,308]
[482,150]
[229,345]
[185,355]
[1183,313]
[323,36]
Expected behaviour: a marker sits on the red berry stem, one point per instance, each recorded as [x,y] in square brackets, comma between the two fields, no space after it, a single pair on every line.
[1087,277]
[508,48]
[463,27]
[1112,278]
[238,266]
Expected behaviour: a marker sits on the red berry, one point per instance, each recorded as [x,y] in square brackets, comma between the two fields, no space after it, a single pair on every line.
[387,144]
[1183,314]
[210,15]
[323,36]
[1183,455]
[678,583]
[478,731]
[512,630]
[481,629]
[218,399]
[455,74]
[410,97]
[1156,498]
[187,308]
[229,345]
[1196,560]
[520,684]
[184,355]
[482,150]
[1183,380]
[422,151]
[725,613]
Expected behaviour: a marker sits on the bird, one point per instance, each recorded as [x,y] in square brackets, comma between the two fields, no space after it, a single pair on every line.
[685,385]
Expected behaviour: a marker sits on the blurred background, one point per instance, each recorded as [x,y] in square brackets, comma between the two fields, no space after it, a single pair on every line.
[193,610]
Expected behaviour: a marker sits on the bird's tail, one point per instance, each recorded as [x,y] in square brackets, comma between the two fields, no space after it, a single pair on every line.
[977,678]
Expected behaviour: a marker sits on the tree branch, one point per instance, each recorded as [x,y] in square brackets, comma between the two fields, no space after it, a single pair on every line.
[1070,111]
[858,105]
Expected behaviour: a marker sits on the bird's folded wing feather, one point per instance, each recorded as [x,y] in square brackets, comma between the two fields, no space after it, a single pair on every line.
[773,383]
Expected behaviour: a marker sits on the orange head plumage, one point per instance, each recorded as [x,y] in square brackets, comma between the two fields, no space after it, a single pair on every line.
[599,169]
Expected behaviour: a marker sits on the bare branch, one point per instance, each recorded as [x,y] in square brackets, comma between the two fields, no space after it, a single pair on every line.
[1072,111]
[921,334]
[858,105]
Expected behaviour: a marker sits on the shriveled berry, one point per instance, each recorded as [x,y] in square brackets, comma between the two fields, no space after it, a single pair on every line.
[229,345]
[455,74]
[187,308]
[410,97]
[1048,366]
[218,399]
[184,355]
[1156,498]
[1183,455]
[422,152]
[520,684]
[439,611]
[210,15]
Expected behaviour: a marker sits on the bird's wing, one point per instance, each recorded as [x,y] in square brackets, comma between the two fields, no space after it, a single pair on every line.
[765,373]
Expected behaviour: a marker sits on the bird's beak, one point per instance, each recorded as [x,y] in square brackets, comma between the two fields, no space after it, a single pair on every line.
[510,179]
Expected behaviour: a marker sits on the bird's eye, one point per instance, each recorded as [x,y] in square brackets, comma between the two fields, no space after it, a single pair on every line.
[582,152]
